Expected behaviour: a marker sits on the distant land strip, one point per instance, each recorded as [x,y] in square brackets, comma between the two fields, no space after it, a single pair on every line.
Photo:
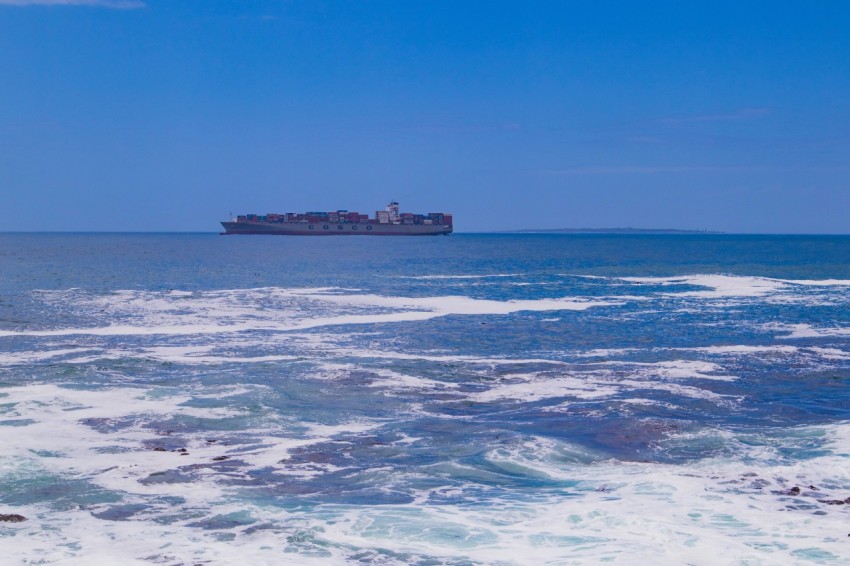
[612,231]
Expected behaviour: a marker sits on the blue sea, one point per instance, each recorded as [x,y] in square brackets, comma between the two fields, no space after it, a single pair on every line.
[473,399]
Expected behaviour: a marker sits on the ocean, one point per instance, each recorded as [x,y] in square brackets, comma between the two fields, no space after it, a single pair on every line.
[472,399]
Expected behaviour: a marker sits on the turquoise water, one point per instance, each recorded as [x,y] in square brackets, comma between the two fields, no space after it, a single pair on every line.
[472,399]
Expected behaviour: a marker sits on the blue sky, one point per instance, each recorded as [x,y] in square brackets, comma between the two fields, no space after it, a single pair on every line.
[169,114]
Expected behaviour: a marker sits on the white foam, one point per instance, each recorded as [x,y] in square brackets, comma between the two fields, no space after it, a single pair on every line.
[426,277]
[605,352]
[20,358]
[395,380]
[144,313]
[437,357]
[53,421]
[351,427]
[743,349]
[575,382]
[583,508]
[459,305]
[648,402]
[201,355]
[803,330]
[77,537]
[632,385]
[533,388]
[551,378]
[608,511]
[691,507]
[128,330]
[720,286]
[830,353]
[818,282]
[281,309]
[59,428]
[174,313]
[782,350]
[675,369]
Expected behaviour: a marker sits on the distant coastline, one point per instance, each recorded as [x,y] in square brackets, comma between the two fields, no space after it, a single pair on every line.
[611,231]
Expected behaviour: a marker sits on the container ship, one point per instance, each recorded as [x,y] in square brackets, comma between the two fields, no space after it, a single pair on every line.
[388,222]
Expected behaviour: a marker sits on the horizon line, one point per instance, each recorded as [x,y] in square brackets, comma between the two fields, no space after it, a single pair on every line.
[521,231]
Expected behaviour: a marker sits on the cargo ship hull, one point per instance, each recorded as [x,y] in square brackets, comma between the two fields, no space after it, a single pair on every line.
[389,222]
[328,229]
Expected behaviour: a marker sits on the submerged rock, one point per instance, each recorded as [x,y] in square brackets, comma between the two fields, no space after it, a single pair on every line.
[12,518]
[167,476]
[120,512]
[230,521]
[833,501]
